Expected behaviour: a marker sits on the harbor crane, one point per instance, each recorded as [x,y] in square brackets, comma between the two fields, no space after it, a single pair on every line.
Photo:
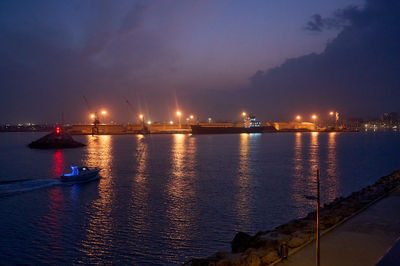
[95,117]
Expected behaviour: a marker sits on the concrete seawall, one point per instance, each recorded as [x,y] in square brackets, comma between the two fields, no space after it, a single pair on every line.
[264,248]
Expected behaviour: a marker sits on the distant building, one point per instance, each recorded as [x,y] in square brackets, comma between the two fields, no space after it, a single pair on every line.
[390,118]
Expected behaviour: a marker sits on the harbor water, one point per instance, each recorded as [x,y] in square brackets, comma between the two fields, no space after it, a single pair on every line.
[163,199]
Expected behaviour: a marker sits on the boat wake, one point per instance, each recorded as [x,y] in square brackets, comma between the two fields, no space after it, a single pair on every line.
[8,188]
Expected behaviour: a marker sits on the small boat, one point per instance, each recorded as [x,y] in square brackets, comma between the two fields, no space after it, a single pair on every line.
[80,174]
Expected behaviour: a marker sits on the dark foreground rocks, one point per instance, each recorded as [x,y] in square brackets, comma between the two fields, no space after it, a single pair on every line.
[265,248]
[55,141]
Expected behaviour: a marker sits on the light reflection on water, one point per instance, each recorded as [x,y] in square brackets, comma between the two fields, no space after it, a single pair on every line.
[181,189]
[58,163]
[313,164]
[165,198]
[332,180]
[140,189]
[98,239]
[298,165]
[243,182]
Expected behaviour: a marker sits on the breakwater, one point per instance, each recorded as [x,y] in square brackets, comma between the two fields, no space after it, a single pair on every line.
[265,247]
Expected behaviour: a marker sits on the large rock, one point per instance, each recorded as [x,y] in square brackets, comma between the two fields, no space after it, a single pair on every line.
[241,242]
[296,242]
[55,140]
[269,257]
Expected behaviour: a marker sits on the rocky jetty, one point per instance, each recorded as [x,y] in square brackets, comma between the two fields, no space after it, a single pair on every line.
[264,248]
[56,140]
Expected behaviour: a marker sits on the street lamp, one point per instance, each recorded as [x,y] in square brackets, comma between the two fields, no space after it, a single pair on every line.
[103,112]
[244,114]
[314,117]
[141,117]
[298,118]
[179,114]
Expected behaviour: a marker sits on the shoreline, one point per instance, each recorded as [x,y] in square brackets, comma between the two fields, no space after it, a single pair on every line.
[264,247]
[185,132]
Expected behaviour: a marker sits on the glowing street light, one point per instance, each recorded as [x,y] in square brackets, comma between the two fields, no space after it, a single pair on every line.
[171,122]
[141,117]
[298,118]
[149,122]
[331,113]
[244,114]
[314,117]
[103,112]
[191,117]
[92,116]
[179,114]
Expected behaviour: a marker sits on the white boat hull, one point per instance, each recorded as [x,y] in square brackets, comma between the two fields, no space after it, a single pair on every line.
[81,177]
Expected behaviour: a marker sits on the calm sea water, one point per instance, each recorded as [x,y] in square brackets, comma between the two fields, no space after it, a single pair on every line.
[164,199]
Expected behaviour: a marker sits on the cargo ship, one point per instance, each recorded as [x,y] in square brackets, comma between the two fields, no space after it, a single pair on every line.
[251,125]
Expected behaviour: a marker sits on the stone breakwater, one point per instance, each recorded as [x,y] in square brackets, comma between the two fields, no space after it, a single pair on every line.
[264,248]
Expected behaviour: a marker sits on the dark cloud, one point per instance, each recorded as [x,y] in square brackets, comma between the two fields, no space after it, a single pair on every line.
[316,23]
[340,19]
[357,73]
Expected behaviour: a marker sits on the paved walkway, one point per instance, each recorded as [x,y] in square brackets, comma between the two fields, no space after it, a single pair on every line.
[362,240]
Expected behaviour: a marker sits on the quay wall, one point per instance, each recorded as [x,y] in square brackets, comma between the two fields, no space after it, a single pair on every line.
[85,129]
[269,247]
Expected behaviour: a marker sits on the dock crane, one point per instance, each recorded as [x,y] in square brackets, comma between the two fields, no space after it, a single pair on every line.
[144,130]
[95,116]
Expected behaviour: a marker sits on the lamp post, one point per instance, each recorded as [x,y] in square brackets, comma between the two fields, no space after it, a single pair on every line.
[318,233]
[244,114]
[314,117]
[336,119]
[141,117]
[331,114]
[179,114]
[298,118]
[318,236]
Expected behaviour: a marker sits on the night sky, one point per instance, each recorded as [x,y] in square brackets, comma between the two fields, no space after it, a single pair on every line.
[210,58]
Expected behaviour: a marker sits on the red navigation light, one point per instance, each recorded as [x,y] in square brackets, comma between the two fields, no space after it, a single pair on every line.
[58,130]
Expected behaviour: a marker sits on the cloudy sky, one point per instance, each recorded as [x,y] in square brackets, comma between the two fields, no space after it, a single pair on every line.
[209,58]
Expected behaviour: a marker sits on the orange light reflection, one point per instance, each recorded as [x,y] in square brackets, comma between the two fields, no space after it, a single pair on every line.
[243,182]
[99,154]
[332,181]
[180,188]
